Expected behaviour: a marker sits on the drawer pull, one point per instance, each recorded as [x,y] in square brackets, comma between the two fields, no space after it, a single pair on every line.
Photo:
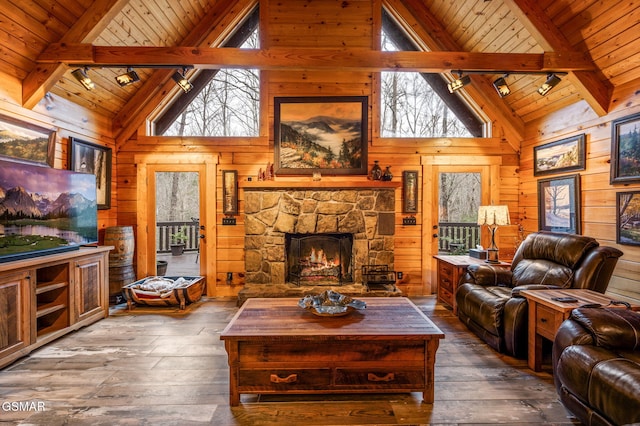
[292,378]
[543,320]
[372,377]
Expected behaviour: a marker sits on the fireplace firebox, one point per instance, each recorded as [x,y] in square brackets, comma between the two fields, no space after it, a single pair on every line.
[319,259]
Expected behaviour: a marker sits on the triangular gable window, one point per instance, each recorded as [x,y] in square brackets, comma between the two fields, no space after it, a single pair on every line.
[223,102]
[419,104]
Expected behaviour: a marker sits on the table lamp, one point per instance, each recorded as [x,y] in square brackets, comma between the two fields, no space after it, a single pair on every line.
[493,216]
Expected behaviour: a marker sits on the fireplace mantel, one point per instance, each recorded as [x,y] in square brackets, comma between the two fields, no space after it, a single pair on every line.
[321,185]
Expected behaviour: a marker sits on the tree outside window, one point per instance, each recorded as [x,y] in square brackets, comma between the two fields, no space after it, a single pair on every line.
[410,108]
[229,105]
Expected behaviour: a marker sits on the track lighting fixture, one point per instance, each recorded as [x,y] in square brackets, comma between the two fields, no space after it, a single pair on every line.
[182,81]
[459,83]
[501,86]
[81,75]
[552,81]
[127,78]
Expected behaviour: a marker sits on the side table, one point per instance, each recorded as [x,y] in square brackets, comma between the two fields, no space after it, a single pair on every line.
[450,269]
[546,315]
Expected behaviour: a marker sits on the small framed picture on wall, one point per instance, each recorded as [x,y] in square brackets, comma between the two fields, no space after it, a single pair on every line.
[628,218]
[559,204]
[410,191]
[560,156]
[625,149]
[88,157]
[230,192]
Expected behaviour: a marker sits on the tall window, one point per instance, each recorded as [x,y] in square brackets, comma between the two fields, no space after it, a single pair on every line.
[223,102]
[416,104]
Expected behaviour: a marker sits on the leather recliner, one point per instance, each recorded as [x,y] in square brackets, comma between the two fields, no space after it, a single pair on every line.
[488,296]
[596,365]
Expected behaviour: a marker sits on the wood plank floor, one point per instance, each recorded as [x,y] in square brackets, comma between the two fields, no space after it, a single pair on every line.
[159,366]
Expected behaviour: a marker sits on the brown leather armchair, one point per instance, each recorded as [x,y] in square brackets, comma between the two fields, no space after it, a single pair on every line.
[596,365]
[488,296]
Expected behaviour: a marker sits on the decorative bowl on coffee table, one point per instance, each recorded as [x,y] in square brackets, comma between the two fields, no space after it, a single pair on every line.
[330,303]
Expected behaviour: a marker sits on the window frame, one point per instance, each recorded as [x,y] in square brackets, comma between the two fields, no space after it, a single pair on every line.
[182,101]
[464,112]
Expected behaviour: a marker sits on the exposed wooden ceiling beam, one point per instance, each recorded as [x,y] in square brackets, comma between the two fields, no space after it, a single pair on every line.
[45,75]
[593,89]
[312,58]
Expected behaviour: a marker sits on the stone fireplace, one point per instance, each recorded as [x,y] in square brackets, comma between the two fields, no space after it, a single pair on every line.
[274,215]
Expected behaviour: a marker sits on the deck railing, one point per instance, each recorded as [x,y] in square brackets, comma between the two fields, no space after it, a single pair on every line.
[449,233]
[164,230]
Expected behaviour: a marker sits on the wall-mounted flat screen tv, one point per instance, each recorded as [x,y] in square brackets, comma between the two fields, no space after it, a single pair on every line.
[45,210]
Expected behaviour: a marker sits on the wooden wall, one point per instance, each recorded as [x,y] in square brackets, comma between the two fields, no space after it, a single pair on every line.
[318,24]
[355,24]
[598,195]
[68,119]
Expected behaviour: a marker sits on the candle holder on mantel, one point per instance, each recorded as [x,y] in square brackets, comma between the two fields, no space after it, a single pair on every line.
[376,171]
[387,175]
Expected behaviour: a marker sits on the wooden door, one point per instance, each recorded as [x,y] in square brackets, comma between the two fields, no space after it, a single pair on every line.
[205,166]
[432,167]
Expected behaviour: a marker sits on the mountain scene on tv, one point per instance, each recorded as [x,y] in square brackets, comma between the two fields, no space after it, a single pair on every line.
[45,209]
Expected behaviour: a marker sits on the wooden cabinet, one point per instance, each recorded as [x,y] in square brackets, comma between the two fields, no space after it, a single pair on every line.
[450,269]
[15,333]
[45,297]
[89,287]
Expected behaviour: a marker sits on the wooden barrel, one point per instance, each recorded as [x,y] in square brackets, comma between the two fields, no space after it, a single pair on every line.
[119,276]
[121,237]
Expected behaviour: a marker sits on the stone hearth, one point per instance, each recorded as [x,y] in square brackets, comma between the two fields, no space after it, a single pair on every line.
[367,213]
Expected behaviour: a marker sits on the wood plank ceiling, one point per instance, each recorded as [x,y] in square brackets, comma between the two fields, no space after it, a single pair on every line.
[604,32]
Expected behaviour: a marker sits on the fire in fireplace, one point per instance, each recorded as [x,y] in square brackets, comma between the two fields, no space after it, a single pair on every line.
[319,259]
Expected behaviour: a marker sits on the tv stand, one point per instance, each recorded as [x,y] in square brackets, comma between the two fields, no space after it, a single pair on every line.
[43,298]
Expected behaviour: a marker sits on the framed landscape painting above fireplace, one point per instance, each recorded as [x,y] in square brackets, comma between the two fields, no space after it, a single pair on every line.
[321,134]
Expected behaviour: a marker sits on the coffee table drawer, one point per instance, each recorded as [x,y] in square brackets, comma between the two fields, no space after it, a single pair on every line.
[282,379]
[332,351]
[380,378]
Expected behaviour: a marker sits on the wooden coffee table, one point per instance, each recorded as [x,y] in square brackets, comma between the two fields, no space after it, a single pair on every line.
[546,315]
[276,347]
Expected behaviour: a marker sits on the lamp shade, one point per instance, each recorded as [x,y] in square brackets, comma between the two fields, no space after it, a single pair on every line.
[493,215]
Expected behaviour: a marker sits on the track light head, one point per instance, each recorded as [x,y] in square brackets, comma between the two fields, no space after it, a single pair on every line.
[552,81]
[459,83]
[182,81]
[81,75]
[127,78]
[501,86]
